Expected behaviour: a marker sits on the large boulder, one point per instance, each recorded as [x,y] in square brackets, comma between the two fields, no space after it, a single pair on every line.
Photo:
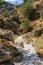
[9,53]
[3,56]
[5,59]
[6,34]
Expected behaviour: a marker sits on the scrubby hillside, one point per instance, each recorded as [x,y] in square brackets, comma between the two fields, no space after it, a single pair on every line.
[28,13]
[31,16]
[9,26]
[24,20]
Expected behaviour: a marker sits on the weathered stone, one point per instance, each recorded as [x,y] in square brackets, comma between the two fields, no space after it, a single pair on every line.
[8,52]
[9,25]
[38,32]
[6,34]
[4,57]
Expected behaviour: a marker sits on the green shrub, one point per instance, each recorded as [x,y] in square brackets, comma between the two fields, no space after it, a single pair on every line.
[6,13]
[25,25]
[26,8]
[41,13]
[15,17]
[21,44]
[1,3]
[24,0]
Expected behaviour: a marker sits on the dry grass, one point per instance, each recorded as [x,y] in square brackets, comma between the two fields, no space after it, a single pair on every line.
[39,46]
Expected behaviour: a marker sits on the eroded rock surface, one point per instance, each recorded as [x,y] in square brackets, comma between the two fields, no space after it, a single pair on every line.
[6,23]
[6,34]
[9,54]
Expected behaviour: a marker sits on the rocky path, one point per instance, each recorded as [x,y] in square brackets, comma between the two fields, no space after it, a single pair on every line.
[29,53]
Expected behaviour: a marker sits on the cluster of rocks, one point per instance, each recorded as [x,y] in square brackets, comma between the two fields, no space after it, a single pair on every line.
[6,34]
[11,21]
[8,52]
[37,28]
[9,25]
[39,32]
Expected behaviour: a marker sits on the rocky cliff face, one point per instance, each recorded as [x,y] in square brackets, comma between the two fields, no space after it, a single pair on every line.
[10,20]
[8,51]
[9,26]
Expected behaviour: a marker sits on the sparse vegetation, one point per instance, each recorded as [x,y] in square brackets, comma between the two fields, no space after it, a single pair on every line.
[26,8]
[41,13]
[15,17]
[25,25]
[25,20]
[39,46]
[21,44]
[6,13]
[1,3]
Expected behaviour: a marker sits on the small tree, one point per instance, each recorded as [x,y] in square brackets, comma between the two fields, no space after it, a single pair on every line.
[26,8]
[25,25]
[15,17]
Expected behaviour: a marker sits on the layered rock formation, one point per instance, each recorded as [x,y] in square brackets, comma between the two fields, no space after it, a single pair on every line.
[9,25]
[8,51]
[9,54]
